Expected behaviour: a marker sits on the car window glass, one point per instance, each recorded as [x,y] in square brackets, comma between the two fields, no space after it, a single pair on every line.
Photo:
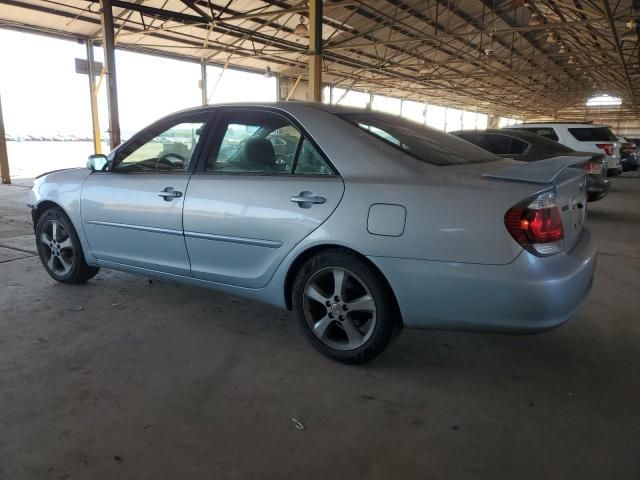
[546,132]
[593,134]
[517,147]
[166,150]
[310,162]
[255,142]
[498,144]
[422,143]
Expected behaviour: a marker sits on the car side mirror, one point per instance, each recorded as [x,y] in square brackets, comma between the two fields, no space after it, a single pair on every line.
[97,162]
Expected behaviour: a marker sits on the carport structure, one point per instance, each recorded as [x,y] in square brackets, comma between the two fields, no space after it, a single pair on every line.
[536,59]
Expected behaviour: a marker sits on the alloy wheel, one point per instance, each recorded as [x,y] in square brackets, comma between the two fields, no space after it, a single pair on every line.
[57,248]
[339,308]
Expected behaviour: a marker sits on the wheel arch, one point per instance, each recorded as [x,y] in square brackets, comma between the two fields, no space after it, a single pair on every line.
[42,207]
[302,257]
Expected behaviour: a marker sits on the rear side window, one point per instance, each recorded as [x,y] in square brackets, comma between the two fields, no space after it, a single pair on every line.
[593,134]
[500,144]
[546,132]
[422,143]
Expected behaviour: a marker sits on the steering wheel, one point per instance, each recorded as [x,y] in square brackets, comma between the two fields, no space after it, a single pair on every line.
[166,158]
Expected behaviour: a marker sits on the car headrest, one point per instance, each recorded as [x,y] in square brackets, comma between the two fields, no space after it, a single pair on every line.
[259,154]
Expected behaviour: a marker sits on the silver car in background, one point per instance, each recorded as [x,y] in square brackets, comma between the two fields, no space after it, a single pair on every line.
[360,222]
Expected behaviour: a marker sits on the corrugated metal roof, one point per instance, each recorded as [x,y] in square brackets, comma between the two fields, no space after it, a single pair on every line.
[537,59]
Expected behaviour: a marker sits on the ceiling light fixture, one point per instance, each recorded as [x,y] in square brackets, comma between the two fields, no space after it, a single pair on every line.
[267,73]
[571,60]
[423,68]
[632,33]
[301,29]
[562,50]
[551,38]
[535,20]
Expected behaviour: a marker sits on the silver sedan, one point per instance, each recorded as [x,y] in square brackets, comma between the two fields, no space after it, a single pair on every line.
[359,222]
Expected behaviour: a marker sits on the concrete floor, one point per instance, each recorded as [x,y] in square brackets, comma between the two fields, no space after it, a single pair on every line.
[122,378]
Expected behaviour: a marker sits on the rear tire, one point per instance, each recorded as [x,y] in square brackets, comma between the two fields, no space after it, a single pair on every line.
[60,250]
[346,311]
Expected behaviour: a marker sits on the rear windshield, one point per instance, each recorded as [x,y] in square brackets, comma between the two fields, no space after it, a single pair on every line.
[545,132]
[423,143]
[593,134]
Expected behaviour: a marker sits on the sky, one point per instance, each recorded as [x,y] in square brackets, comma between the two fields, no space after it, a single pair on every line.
[43,95]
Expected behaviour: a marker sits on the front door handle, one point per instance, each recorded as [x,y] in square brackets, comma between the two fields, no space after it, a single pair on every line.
[306,199]
[169,194]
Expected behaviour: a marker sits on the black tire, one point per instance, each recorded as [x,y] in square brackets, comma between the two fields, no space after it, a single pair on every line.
[384,322]
[61,255]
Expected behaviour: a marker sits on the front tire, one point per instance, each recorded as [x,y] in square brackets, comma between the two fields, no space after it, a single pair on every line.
[345,309]
[60,250]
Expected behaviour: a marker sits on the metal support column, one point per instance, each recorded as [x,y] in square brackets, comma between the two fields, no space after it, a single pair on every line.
[315,50]
[93,92]
[203,81]
[4,157]
[108,45]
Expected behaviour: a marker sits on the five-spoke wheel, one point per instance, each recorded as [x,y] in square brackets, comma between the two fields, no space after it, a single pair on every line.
[339,308]
[57,247]
[345,307]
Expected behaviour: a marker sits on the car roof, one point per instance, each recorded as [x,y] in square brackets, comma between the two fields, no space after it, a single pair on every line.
[560,124]
[290,106]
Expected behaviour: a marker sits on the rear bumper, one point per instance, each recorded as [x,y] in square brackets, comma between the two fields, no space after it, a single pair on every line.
[597,187]
[531,294]
[630,163]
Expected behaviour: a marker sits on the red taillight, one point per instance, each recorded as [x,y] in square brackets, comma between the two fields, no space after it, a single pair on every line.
[627,147]
[607,147]
[593,167]
[537,226]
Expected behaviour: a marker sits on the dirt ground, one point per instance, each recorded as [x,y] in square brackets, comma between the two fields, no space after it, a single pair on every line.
[123,378]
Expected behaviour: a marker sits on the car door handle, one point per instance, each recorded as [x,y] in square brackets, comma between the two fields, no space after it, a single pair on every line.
[169,194]
[306,199]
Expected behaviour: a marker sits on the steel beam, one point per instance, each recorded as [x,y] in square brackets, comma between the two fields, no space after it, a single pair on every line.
[93,97]
[623,63]
[315,50]
[4,157]
[108,45]
[203,81]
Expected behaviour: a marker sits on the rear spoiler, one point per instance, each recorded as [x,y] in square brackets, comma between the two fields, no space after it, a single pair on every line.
[542,172]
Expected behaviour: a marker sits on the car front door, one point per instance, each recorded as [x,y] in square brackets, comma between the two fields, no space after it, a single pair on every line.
[250,204]
[132,213]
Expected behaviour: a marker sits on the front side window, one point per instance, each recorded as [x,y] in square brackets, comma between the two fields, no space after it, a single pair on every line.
[165,148]
[422,143]
[263,143]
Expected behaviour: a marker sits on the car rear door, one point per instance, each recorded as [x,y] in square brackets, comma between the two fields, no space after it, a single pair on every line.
[246,210]
[132,213]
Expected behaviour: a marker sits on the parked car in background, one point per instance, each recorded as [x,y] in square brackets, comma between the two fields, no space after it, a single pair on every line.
[582,137]
[377,223]
[529,147]
[629,155]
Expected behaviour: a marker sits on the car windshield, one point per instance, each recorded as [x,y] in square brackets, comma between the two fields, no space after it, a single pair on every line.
[593,134]
[421,142]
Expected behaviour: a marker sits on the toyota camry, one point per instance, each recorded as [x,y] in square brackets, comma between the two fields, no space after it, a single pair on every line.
[360,222]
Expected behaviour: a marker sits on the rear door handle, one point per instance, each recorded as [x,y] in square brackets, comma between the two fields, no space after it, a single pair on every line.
[306,199]
[169,194]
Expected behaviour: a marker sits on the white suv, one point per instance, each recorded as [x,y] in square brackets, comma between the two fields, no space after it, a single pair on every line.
[583,137]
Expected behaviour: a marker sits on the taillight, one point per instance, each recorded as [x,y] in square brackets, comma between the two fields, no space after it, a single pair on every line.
[537,224]
[607,147]
[593,167]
